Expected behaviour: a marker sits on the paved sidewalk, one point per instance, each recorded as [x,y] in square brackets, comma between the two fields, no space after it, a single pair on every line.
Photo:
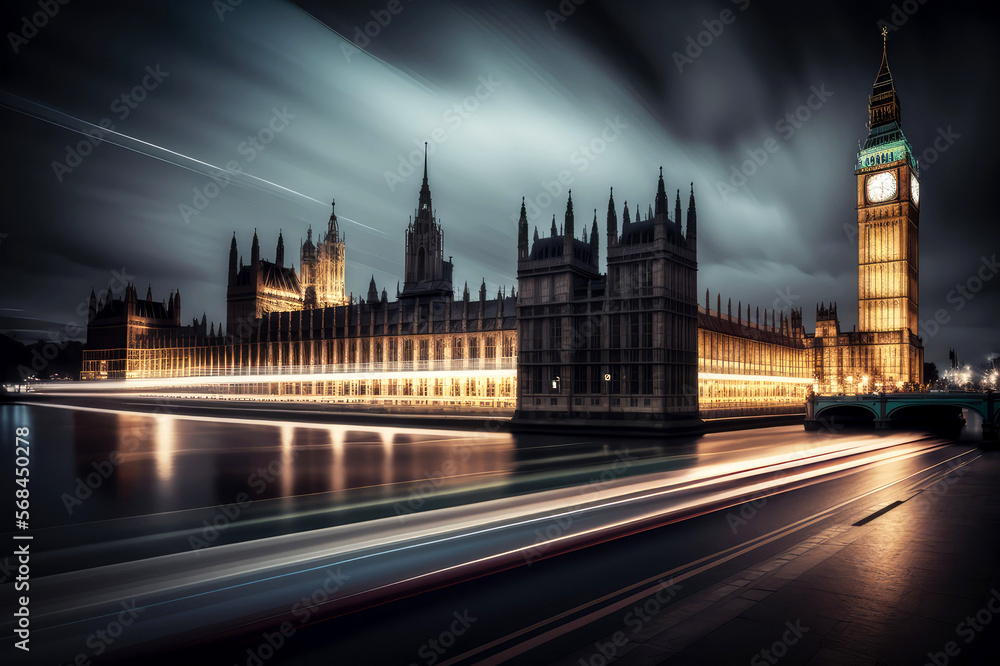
[918,584]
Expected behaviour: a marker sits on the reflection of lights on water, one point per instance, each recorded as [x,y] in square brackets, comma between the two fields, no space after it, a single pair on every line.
[387,461]
[164,444]
[287,457]
[339,480]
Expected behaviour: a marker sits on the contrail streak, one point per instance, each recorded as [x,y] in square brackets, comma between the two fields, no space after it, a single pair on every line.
[58,118]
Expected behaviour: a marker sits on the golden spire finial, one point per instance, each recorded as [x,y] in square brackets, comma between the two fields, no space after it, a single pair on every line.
[885,34]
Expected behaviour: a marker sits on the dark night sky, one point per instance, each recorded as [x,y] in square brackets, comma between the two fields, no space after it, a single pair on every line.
[356,112]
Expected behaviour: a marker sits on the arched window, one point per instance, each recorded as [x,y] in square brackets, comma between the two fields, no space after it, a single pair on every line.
[421,260]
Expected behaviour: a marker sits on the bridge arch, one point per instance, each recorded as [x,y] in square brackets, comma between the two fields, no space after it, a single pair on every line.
[977,408]
[851,413]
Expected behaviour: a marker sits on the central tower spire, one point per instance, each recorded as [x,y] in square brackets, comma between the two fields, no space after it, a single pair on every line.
[426,271]
[425,189]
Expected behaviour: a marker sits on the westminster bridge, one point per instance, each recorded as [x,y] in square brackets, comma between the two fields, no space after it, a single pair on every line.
[885,410]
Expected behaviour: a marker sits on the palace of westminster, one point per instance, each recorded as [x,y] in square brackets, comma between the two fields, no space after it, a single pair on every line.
[573,342]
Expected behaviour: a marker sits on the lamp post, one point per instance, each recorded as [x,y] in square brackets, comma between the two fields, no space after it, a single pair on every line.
[607,388]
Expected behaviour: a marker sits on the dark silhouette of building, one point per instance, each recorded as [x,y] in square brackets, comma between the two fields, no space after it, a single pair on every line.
[618,346]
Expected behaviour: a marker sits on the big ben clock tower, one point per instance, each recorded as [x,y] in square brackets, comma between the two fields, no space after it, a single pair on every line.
[888,204]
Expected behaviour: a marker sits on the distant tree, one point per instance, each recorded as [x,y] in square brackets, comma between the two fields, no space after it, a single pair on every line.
[931,373]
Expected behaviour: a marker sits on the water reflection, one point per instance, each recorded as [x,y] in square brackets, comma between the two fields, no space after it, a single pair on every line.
[164,445]
[169,462]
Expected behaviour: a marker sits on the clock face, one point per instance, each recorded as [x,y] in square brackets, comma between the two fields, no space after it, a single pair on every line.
[915,189]
[881,187]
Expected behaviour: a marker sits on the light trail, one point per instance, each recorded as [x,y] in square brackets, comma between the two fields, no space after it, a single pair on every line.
[214,380]
[514,518]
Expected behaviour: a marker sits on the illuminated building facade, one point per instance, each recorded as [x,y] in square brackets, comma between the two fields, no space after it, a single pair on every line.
[119,330]
[575,344]
[264,286]
[884,353]
[747,366]
[323,264]
[296,336]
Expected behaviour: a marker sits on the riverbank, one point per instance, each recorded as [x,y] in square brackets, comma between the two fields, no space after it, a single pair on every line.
[367,416]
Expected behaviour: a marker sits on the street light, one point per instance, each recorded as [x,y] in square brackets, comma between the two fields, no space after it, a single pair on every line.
[607,387]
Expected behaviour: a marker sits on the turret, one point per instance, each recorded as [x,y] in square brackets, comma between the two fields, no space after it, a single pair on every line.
[333,227]
[692,223]
[232,260]
[255,251]
[279,252]
[612,220]
[661,198]
[594,244]
[372,291]
[522,233]
[568,227]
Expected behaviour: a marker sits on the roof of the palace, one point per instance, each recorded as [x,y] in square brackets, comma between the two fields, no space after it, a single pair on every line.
[713,321]
[279,277]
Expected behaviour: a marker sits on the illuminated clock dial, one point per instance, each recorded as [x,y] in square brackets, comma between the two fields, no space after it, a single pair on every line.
[881,187]
[915,189]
